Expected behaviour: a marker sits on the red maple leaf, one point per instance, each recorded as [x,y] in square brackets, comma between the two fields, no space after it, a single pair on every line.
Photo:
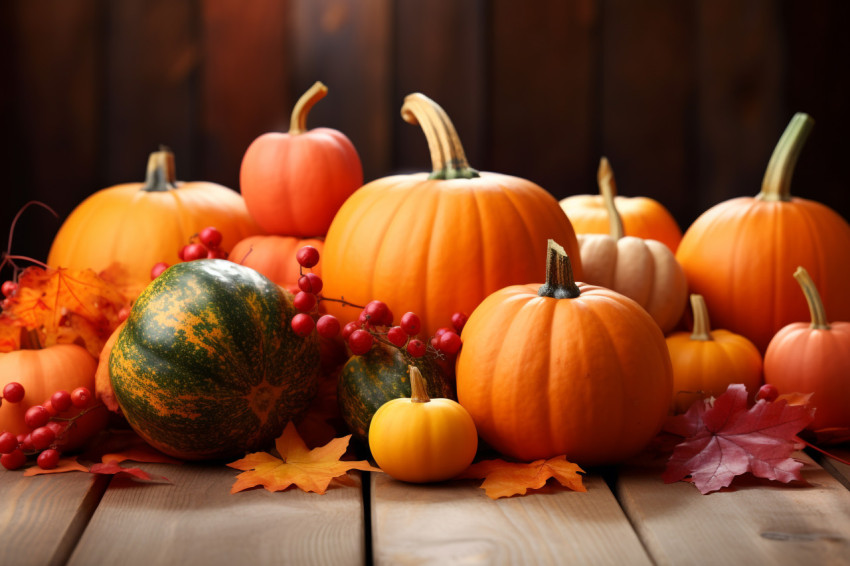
[725,438]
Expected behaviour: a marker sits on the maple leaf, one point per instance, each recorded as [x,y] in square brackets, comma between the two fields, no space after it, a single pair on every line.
[310,470]
[725,438]
[505,479]
[116,469]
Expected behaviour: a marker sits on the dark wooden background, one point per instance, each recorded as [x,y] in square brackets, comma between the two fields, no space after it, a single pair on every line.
[686,97]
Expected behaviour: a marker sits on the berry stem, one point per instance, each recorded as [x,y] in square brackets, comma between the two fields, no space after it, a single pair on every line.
[298,120]
[560,283]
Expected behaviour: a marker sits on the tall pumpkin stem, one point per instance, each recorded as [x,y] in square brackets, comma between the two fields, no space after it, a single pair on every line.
[608,190]
[560,283]
[810,290]
[162,173]
[702,327]
[448,160]
[776,185]
[298,121]
[418,392]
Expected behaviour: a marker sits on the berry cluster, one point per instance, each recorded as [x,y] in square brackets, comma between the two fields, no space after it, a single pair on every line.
[46,427]
[204,244]
[374,323]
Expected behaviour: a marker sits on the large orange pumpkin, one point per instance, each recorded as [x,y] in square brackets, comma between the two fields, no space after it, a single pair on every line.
[564,368]
[439,243]
[738,253]
[130,227]
[294,182]
[274,256]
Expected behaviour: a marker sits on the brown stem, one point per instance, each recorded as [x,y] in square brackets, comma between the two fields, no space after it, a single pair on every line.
[298,121]
[608,190]
[776,185]
[560,283]
[418,393]
[161,175]
[810,290]
[702,327]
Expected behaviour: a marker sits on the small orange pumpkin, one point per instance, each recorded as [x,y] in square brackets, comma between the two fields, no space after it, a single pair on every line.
[274,256]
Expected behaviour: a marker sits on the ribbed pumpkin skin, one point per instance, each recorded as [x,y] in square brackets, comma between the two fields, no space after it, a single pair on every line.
[588,377]
[207,366]
[436,247]
[274,256]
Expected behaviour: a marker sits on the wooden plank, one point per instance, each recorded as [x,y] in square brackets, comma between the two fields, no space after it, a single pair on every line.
[839,470]
[456,523]
[196,520]
[42,517]
[758,521]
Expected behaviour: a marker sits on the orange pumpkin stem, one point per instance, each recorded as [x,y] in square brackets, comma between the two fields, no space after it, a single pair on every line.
[810,290]
[418,393]
[608,190]
[702,327]
[776,185]
[448,160]
[161,174]
[298,121]
[560,283]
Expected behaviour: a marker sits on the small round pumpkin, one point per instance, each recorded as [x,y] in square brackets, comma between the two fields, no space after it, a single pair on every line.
[294,182]
[419,439]
[564,369]
[813,358]
[274,256]
[706,361]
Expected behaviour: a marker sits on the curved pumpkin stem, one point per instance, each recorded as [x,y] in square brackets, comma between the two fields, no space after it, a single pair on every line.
[608,190]
[298,121]
[448,160]
[418,393]
[776,185]
[810,290]
[560,283]
[702,328]
[161,174]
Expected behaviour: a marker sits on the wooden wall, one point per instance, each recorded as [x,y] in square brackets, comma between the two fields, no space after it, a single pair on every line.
[685,97]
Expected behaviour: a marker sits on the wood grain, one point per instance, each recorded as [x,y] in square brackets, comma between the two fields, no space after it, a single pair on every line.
[196,520]
[456,523]
[839,470]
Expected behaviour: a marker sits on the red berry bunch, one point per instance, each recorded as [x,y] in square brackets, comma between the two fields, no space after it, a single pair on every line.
[205,244]
[47,428]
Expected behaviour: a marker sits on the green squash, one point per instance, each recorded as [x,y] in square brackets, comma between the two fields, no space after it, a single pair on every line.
[207,365]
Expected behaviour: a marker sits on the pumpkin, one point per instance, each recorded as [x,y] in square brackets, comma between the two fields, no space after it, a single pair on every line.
[368,381]
[643,217]
[130,227]
[738,253]
[207,365]
[564,368]
[274,256]
[643,270]
[42,372]
[813,357]
[438,243]
[293,183]
[706,361]
[419,439]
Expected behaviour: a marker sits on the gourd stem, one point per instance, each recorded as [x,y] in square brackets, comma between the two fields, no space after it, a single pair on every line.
[810,290]
[776,185]
[702,327]
[418,393]
[298,121]
[448,160]
[560,283]
[161,174]
[608,190]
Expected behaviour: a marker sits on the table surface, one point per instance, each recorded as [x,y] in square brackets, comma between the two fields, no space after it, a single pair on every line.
[627,516]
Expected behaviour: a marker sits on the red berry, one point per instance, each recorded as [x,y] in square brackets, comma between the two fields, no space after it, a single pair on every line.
[80,397]
[377,312]
[397,336]
[13,392]
[388,318]
[410,323]
[210,237]
[194,251]
[308,256]
[416,348]
[442,330]
[36,416]
[157,269]
[348,329]
[13,460]
[327,326]
[48,459]
[360,342]
[42,437]
[310,283]
[61,400]
[768,392]
[459,321]
[59,427]
[8,442]
[449,343]
[304,302]
[8,288]
[51,410]
[302,324]
[26,443]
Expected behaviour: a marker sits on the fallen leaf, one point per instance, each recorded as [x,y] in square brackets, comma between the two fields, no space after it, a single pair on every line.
[725,438]
[64,465]
[115,469]
[505,479]
[310,470]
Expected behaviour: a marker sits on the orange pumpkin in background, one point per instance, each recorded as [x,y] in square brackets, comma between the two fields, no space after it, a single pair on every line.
[128,228]
[643,217]
[439,243]
[274,256]
[738,253]
[294,182]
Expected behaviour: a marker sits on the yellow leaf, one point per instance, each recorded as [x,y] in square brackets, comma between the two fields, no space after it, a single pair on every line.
[505,479]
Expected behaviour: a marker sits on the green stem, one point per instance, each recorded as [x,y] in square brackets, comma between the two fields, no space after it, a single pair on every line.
[776,185]
[608,190]
[810,290]
[560,283]
[298,120]
[161,174]
[702,327]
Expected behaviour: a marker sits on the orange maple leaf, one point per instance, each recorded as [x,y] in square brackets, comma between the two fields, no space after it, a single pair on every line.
[505,479]
[310,470]
[64,465]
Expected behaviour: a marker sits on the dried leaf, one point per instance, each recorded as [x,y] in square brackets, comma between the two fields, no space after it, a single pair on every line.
[64,465]
[505,479]
[115,469]
[310,470]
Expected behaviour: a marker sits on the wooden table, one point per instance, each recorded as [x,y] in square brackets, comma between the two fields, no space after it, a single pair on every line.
[626,517]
